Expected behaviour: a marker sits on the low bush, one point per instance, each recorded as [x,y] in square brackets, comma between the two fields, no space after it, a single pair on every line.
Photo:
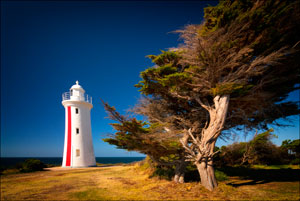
[220,176]
[163,173]
[296,161]
[10,171]
[31,165]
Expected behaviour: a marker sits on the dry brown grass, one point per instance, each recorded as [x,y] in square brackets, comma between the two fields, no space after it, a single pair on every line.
[130,183]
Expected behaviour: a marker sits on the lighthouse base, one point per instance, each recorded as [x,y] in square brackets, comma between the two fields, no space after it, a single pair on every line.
[79,166]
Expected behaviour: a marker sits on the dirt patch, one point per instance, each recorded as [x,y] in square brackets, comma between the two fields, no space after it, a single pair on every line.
[123,180]
[60,174]
[62,188]
[54,190]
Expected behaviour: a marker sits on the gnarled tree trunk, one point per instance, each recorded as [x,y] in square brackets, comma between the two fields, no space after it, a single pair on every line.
[206,170]
[209,137]
[180,167]
[180,171]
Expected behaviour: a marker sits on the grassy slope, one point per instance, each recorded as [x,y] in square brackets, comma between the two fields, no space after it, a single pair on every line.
[129,182]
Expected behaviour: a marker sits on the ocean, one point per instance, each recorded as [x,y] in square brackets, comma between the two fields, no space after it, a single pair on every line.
[12,161]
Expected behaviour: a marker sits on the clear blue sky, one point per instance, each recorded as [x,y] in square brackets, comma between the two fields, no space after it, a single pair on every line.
[47,46]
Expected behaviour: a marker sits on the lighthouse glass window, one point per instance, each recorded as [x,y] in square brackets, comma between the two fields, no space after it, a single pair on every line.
[77,130]
[77,152]
[76,110]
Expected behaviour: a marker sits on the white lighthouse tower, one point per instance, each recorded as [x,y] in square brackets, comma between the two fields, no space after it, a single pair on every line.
[78,148]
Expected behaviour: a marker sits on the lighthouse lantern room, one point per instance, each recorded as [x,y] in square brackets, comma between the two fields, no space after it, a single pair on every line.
[78,147]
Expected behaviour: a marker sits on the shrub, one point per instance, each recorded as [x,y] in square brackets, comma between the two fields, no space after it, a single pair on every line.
[10,171]
[31,165]
[220,176]
[296,161]
[163,173]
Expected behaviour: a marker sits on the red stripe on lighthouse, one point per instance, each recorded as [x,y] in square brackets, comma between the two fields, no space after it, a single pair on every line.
[69,144]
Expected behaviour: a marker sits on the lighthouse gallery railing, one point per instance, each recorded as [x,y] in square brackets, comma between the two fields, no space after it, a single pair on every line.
[67,96]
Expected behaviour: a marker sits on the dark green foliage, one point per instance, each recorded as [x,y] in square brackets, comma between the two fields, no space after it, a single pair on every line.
[263,150]
[136,135]
[231,88]
[220,176]
[258,151]
[127,131]
[296,161]
[224,13]
[265,17]
[163,172]
[291,151]
[166,57]
[231,155]
[293,147]
[31,165]
[164,76]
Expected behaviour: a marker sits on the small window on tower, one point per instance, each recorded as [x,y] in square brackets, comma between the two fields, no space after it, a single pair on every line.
[77,152]
[77,130]
[76,111]
[71,92]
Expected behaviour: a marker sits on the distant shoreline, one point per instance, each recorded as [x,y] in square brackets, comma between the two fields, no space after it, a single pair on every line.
[13,161]
[61,157]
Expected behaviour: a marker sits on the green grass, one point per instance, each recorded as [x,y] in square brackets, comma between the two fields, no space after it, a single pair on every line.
[268,167]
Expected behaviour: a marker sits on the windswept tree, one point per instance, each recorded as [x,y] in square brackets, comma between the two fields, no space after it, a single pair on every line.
[151,138]
[235,70]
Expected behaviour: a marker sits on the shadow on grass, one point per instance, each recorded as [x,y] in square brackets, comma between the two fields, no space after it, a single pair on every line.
[260,176]
[251,176]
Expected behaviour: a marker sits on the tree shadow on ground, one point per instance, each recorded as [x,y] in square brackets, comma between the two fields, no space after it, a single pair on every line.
[251,176]
[260,176]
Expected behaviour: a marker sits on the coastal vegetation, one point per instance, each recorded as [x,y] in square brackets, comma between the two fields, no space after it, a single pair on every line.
[117,183]
[231,74]
[29,165]
[251,180]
